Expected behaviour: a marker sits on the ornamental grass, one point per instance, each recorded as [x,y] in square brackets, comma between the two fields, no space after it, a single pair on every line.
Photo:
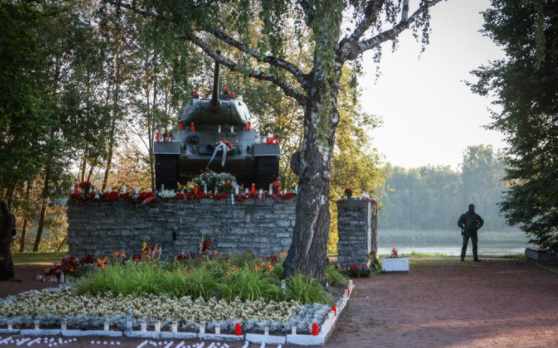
[239,277]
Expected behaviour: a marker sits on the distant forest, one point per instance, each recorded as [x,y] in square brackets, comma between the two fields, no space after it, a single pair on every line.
[433,197]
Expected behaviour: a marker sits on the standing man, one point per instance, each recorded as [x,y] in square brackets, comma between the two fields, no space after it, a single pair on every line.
[470,222]
[7,229]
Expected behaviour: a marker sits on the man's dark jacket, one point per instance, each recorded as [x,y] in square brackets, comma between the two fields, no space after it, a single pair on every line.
[470,222]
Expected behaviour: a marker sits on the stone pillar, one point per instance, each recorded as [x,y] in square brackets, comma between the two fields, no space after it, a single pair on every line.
[357,225]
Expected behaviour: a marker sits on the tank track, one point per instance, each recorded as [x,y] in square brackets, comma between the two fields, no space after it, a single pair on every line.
[166,172]
[267,171]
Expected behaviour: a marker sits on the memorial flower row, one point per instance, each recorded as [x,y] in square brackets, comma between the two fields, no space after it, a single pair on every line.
[189,291]
[52,306]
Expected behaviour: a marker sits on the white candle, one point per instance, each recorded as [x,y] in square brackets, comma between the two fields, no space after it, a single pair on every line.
[205,189]
[110,189]
[137,189]
[202,328]
[270,189]
[261,192]
[236,190]
[232,129]
[174,326]
[124,188]
[158,326]
[162,187]
[293,329]
[143,326]
[219,129]
[106,326]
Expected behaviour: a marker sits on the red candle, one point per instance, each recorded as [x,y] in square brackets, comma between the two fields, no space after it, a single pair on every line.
[180,126]
[253,189]
[196,190]
[238,329]
[348,292]
[192,127]
[75,188]
[315,329]
[334,309]
[158,137]
[278,190]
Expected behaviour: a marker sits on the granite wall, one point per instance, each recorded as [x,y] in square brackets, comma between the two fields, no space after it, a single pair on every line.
[357,225]
[100,227]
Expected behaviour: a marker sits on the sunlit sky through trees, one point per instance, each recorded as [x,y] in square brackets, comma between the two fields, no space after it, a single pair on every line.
[429,115]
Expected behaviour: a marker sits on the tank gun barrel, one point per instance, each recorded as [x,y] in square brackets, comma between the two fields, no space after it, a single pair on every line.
[215,96]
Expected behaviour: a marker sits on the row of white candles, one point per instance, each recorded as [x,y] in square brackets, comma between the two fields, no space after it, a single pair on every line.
[236,189]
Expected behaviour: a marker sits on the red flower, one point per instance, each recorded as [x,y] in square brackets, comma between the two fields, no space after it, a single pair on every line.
[219,197]
[85,184]
[276,183]
[75,196]
[124,195]
[180,196]
[113,196]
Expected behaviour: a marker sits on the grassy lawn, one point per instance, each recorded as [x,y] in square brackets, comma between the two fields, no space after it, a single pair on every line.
[22,259]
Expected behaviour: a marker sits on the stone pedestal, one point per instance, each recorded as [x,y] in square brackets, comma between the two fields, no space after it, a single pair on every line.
[100,228]
[357,226]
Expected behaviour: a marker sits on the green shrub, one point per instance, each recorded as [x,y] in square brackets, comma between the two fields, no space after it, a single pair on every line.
[306,290]
[334,277]
[249,284]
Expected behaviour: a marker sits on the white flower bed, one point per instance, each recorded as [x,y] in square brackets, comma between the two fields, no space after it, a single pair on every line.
[52,306]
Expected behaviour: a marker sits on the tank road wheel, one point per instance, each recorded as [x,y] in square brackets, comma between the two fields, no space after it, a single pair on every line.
[166,172]
[267,171]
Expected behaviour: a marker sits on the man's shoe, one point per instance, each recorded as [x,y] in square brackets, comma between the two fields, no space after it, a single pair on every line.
[477,260]
[462,260]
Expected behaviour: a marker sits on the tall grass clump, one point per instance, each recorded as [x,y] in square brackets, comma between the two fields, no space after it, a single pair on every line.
[307,290]
[334,277]
[249,284]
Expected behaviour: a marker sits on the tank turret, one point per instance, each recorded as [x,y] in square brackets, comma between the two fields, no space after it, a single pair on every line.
[207,129]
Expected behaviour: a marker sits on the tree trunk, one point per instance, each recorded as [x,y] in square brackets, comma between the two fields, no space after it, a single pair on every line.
[24,228]
[308,250]
[42,215]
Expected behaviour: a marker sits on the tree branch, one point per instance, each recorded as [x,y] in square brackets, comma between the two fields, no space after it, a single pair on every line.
[370,16]
[277,62]
[257,74]
[232,65]
[390,34]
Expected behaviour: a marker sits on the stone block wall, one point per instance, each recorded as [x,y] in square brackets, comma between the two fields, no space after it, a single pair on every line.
[357,225]
[99,228]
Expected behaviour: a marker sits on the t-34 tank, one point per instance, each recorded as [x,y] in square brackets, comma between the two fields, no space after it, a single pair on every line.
[216,134]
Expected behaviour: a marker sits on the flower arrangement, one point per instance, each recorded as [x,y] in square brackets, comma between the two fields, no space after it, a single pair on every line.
[395,254]
[214,181]
[358,271]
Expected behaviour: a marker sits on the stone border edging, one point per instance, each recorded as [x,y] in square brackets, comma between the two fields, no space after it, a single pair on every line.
[326,330]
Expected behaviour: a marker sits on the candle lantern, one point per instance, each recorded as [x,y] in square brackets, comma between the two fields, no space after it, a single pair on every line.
[278,190]
[124,188]
[110,189]
[270,189]
[236,190]
[232,129]
[192,127]
[158,137]
[253,189]
[238,329]
[196,190]
[180,126]
[315,329]
[75,188]
[137,189]
[205,189]
[219,129]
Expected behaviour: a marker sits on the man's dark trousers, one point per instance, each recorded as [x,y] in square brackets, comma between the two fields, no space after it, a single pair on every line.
[474,239]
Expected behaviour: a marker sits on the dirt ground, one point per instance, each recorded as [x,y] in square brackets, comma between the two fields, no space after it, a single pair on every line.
[440,303]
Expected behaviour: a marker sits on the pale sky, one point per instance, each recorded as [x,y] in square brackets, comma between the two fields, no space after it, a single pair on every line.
[430,116]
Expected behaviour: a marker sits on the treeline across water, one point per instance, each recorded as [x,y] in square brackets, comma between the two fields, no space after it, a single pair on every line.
[433,197]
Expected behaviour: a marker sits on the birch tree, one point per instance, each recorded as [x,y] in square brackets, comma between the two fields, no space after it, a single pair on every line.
[213,25]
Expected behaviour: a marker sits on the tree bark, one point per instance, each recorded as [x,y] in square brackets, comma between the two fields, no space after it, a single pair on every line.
[24,228]
[43,212]
[308,250]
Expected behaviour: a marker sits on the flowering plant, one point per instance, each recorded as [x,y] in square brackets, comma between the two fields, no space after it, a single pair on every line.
[84,185]
[395,254]
[358,270]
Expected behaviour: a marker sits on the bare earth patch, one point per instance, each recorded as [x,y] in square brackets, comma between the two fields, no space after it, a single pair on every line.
[440,303]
